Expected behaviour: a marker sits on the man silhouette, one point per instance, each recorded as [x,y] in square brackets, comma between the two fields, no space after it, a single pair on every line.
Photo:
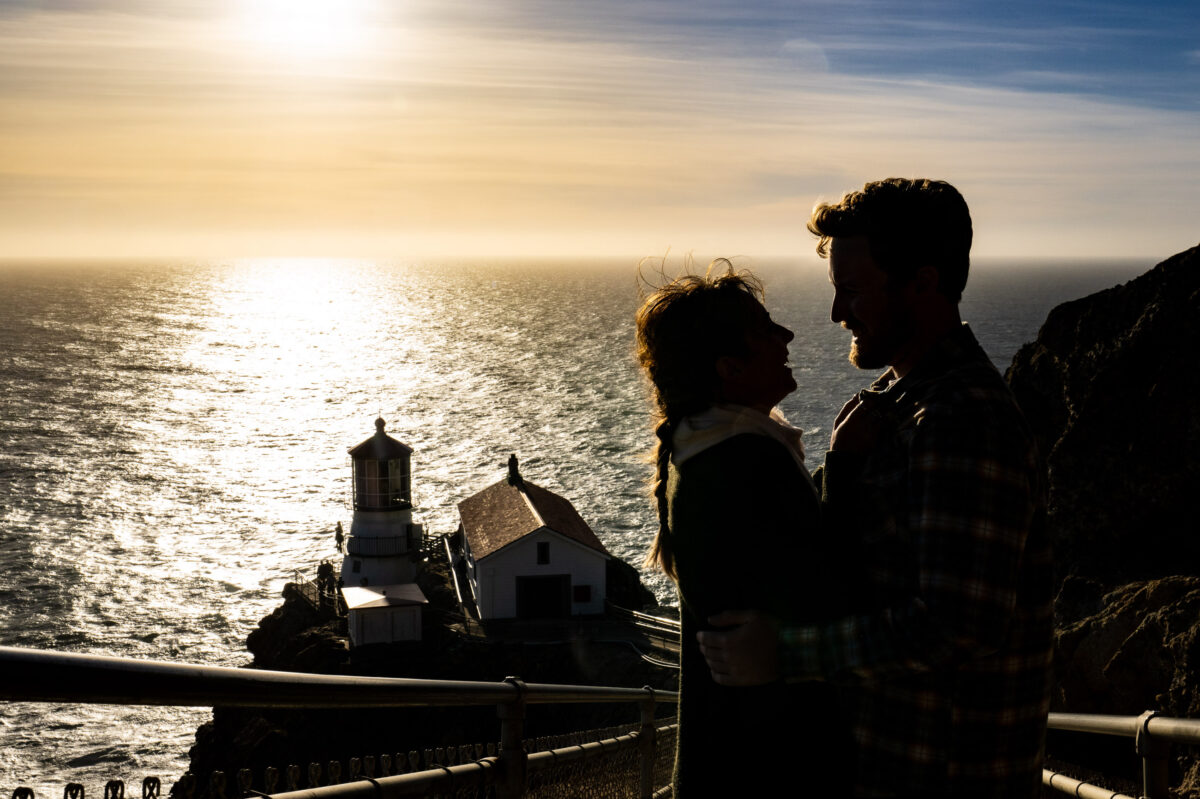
[947,655]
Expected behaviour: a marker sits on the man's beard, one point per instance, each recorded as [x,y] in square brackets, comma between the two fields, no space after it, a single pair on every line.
[869,357]
[880,348]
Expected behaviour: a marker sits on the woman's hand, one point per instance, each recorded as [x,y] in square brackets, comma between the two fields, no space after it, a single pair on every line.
[744,654]
[858,425]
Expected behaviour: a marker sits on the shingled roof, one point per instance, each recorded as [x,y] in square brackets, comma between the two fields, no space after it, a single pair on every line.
[508,511]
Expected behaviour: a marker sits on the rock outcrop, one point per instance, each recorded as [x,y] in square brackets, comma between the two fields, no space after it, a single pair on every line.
[295,637]
[1139,651]
[624,586]
[1110,387]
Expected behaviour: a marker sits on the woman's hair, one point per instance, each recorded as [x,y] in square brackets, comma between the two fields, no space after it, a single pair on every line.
[683,328]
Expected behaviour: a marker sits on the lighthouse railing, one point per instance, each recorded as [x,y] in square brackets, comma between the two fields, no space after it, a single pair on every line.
[322,599]
[379,545]
[31,675]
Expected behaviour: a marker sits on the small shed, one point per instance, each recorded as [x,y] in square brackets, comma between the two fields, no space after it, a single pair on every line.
[382,614]
[529,554]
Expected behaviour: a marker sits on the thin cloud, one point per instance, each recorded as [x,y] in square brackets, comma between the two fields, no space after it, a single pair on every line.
[806,54]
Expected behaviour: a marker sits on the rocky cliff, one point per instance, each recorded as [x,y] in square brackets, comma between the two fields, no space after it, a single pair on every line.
[1110,386]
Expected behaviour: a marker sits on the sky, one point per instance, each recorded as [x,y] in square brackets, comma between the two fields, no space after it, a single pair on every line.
[608,127]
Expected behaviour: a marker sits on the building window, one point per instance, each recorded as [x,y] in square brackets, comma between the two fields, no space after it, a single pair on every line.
[543,552]
[372,498]
[582,593]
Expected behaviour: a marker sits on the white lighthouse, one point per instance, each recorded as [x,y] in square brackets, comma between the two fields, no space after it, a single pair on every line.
[383,544]
[380,566]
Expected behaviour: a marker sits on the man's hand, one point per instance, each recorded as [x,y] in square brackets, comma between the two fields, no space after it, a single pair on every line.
[858,425]
[746,655]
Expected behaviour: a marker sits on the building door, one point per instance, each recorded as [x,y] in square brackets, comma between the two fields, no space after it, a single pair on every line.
[376,627]
[547,597]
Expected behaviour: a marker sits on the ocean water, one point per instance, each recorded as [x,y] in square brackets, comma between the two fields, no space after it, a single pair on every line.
[173,438]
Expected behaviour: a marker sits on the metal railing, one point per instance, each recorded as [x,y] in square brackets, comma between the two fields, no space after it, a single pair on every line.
[661,633]
[323,601]
[1152,736]
[29,675]
[660,626]
[452,569]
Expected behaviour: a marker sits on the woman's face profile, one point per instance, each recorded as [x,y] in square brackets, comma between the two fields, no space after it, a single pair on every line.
[760,376]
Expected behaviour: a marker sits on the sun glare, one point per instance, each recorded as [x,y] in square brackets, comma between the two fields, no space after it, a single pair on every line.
[305,28]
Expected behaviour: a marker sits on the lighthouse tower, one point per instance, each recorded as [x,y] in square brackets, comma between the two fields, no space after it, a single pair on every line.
[383,544]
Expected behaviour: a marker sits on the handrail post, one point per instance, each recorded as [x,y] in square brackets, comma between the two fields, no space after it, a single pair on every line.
[646,746]
[1155,753]
[512,760]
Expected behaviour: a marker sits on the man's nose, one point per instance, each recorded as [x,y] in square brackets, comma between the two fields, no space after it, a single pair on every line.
[837,314]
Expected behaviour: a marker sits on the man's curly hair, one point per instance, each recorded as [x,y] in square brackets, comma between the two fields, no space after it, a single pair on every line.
[908,223]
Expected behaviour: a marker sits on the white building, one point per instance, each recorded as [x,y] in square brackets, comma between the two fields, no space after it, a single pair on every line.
[386,613]
[380,566]
[529,554]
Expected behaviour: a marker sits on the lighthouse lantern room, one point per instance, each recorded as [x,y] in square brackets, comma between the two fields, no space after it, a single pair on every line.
[383,544]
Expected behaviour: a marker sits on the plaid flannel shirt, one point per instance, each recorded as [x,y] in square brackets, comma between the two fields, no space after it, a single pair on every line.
[949,656]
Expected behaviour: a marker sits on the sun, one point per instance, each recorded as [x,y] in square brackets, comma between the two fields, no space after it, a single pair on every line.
[304,28]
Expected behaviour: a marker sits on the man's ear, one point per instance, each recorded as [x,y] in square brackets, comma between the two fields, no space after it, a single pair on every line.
[926,280]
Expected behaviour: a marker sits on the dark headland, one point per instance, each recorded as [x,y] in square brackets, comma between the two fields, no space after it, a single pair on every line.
[1110,387]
